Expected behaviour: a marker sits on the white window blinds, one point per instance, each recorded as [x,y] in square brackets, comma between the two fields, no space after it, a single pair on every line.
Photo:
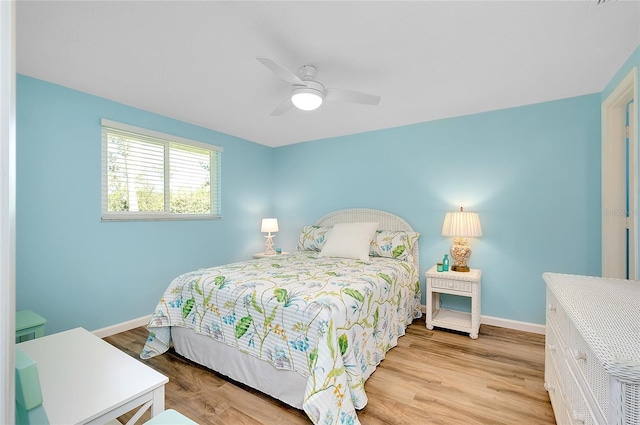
[148,175]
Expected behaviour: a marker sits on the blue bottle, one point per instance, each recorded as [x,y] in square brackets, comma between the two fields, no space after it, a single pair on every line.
[445,263]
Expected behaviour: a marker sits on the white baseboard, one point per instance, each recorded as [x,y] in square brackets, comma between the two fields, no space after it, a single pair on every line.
[121,327]
[513,324]
[507,323]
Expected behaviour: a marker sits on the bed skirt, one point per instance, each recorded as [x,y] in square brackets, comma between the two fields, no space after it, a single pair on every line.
[285,385]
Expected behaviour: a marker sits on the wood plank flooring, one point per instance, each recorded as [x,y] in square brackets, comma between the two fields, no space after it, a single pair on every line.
[431,377]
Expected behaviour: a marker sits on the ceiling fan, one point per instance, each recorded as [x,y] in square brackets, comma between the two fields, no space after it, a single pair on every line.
[308,94]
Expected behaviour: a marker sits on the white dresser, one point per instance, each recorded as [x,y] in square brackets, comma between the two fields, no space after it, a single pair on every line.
[592,355]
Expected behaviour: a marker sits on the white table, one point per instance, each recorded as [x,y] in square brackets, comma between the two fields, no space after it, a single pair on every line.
[463,284]
[85,380]
[263,255]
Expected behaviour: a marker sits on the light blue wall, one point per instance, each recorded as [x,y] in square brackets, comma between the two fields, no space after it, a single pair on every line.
[74,269]
[532,173]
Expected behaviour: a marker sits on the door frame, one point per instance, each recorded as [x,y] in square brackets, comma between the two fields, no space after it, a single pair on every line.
[614,219]
[7,210]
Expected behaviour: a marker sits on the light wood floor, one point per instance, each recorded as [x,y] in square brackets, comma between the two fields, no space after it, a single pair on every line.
[431,377]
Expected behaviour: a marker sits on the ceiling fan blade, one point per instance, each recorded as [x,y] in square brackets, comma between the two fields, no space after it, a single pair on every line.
[283,107]
[351,96]
[280,70]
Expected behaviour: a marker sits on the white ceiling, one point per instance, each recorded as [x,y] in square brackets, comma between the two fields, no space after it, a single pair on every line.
[195,60]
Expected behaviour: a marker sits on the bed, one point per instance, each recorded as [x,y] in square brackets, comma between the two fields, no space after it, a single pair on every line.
[307,328]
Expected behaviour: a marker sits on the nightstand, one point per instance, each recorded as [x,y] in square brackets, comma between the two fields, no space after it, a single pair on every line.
[454,283]
[29,324]
[263,255]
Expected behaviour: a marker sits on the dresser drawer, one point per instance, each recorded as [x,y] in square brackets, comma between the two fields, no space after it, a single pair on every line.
[456,285]
[557,316]
[576,404]
[555,349]
[589,368]
[552,383]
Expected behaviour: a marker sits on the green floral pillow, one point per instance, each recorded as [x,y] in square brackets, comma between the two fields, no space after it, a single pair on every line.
[393,244]
[312,238]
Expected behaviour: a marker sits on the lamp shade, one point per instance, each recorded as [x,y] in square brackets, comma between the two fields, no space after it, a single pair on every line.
[269,225]
[462,224]
[306,99]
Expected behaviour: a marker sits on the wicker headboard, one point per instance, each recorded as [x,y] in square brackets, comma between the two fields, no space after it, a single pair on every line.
[385,220]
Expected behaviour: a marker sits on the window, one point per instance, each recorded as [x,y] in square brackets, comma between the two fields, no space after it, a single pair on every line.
[148,175]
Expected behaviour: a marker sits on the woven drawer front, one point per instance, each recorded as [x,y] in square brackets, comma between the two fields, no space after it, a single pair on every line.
[557,316]
[555,349]
[554,388]
[576,404]
[591,368]
[451,284]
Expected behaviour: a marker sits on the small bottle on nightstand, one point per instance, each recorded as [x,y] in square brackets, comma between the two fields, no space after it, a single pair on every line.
[445,263]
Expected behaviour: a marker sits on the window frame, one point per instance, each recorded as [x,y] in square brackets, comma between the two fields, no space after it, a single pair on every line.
[167,140]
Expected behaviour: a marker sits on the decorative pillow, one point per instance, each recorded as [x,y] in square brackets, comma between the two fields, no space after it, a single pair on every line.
[349,240]
[393,244]
[312,238]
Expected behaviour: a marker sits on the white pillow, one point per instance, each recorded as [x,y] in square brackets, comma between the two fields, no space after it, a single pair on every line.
[349,240]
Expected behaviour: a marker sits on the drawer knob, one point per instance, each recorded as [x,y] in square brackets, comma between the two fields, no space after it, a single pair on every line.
[579,355]
[552,308]
[450,284]
[549,387]
[551,348]
[578,417]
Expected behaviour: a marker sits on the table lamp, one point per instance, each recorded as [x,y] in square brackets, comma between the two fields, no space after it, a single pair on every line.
[269,225]
[461,225]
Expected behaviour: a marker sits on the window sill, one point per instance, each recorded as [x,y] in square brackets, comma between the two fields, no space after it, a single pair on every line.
[158,217]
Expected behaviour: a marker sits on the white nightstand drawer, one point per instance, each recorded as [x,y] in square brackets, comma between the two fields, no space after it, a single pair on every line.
[456,285]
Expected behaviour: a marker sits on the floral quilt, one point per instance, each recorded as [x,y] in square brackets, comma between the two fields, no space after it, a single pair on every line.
[329,319]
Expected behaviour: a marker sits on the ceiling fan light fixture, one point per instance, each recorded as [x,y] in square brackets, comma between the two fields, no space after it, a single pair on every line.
[306,99]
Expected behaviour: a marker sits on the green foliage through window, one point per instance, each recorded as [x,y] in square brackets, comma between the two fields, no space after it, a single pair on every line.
[147,176]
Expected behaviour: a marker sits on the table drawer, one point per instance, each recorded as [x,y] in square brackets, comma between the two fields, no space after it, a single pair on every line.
[456,285]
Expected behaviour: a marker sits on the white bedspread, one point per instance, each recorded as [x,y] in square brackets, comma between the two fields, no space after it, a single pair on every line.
[329,319]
